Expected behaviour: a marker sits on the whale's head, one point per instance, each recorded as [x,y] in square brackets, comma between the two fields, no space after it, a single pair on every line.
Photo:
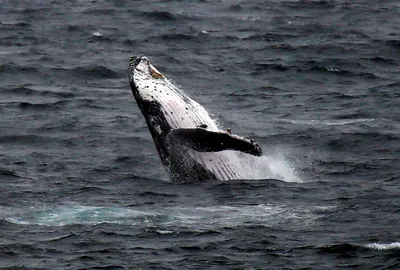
[149,88]
[156,95]
[145,80]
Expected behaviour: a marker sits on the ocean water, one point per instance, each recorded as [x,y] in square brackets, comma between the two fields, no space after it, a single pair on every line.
[316,83]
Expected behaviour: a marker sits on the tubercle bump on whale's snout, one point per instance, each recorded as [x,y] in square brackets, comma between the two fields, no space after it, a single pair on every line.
[133,64]
[135,60]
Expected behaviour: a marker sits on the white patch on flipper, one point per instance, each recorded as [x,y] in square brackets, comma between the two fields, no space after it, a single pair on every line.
[158,129]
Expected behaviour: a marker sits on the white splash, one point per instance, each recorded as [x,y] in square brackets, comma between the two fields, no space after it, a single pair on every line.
[97,34]
[274,165]
[379,246]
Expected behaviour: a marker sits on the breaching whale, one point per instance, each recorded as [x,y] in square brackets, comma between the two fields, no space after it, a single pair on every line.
[188,140]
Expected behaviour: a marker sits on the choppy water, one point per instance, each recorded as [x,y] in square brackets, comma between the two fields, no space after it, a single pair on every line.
[317,83]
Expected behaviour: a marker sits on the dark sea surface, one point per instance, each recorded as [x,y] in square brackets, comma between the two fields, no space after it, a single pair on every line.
[316,83]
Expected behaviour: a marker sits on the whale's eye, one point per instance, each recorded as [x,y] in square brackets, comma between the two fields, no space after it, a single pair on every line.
[152,121]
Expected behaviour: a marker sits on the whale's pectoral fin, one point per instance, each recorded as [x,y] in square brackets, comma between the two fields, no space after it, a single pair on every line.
[203,140]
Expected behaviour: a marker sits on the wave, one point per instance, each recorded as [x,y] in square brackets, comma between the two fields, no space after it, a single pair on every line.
[32,10]
[15,68]
[75,28]
[386,91]
[184,36]
[271,37]
[269,66]
[339,122]
[129,42]
[50,106]
[25,139]
[382,60]
[14,25]
[41,106]
[338,95]
[160,15]
[344,72]
[394,43]
[26,91]
[339,248]
[176,37]
[5,173]
[96,71]
[100,12]
[338,66]
[314,5]
[332,66]
[93,71]
[157,194]
[380,246]
[348,247]
[166,16]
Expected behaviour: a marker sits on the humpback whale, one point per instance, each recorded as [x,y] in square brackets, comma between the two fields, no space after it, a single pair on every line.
[189,142]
